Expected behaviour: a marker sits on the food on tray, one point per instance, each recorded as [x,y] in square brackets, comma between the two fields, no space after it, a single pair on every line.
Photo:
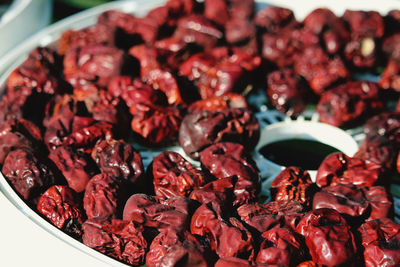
[75,118]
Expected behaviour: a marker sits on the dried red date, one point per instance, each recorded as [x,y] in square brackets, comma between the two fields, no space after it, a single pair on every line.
[391,48]
[172,248]
[348,200]
[386,124]
[381,241]
[18,133]
[365,22]
[60,205]
[293,183]
[76,167]
[118,239]
[390,78]
[338,168]
[150,212]
[349,103]
[104,197]
[274,18]
[225,160]
[229,238]
[175,176]
[379,201]
[199,130]
[120,160]
[156,125]
[28,174]
[216,10]
[328,237]
[219,103]
[95,64]
[237,262]
[239,30]
[281,246]
[219,191]
[287,92]
[319,70]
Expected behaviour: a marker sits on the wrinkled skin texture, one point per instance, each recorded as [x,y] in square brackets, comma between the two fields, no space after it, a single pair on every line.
[386,124]
[328,237]
[331,29]
[338,168]
[77,167]
[153,212]
[390,78]
[265,216]
[18,133]
[274,18]
[319,70]
[119,159]
[346,199]
[379,200]
[219,103]
[60,205]
[156,125]
[104,197]
[380,239]
[219,191]
[391,48]
[171,248]
[175,176]
[349,103]
[28,174]
[118,239]
[229,238]
[225,160]
[94,64]
[287,92]
[237,262]
[281,246]
[293,183]
[202,129]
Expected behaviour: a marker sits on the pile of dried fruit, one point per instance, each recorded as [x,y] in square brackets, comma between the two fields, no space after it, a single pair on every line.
[180,75]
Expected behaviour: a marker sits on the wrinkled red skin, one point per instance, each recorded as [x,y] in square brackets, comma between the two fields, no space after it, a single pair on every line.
[239,31]
[156,125]
[273,18]
[319,70]
[104,197]
[202,129]
[307,264]
[182,7]
[147,57]
[199,30]
[219,103]
[76,167]
[338,168]
[281,246]
[349,103]
[115,18]
[172,248]
[329,27]
[380,239]
[263,217]
[60,205]
[380,150]
[151,212]
[119,160]
[219,191]
[237,262]
[46,58]
[134,91]
[217,11]
[225,160]
[241,8]
[96,35]
[118,239]
[94,64]
[287,92]
[348,200]
[390,78]
[328,237]
[28,174]
[173,175]
[18,133]
[293,183]
[167,83]
[370,22]
[385,124]
[391,48]
[380,202]
[221,71]
[228,237]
